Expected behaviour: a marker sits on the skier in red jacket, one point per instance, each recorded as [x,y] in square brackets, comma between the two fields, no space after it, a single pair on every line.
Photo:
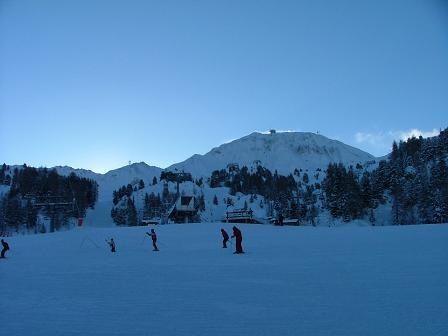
[154,239]
[238,240]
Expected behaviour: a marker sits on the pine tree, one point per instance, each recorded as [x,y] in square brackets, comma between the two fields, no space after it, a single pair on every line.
[31,215]
[129,190]
[305,178]
[372,219]
[132,213]
[115,197]
[2,174]
[313,212]
[147,206]
[201,205]
[13,213]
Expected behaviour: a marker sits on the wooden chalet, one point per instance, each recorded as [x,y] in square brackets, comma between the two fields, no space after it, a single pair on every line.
[183,210]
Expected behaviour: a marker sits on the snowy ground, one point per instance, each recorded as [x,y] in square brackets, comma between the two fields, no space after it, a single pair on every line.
[292,281]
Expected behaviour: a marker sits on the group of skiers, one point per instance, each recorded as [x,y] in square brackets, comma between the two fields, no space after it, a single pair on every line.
[152,234]
[236,234]
[238,239]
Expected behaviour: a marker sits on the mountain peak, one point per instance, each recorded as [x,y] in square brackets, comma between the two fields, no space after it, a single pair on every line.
[281,151]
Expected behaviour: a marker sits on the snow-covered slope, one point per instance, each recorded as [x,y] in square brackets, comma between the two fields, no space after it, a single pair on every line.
[122,176]
[109,182]
[371,281]
[116,178]
[83,173]
[283,152]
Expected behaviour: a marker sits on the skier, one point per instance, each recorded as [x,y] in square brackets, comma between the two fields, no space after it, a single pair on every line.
[239,238]
[225,237]
[5,248]
[111,244]
[154,239]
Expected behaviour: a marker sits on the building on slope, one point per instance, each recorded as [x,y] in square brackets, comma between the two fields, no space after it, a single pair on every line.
[183,210]
[241,216]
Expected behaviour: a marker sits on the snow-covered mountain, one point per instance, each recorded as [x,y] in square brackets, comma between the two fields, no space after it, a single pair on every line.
[111,181]
[283,152]
[116,178]
[83,173]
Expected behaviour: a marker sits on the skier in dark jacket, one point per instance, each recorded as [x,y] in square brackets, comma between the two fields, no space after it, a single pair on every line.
[238,240]
[111,244]
[154,239]
[5,248]
[225,238]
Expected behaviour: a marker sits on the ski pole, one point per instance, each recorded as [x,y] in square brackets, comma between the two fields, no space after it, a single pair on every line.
[80,245]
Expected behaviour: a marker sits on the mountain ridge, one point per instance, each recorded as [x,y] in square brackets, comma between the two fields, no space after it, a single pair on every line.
[314,144]
[276,151]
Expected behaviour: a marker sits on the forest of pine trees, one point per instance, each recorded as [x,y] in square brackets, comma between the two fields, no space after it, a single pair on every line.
[124,211]
[33,192]
[284,194]
[414,180]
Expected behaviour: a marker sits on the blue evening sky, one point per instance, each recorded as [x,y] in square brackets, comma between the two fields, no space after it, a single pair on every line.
[94,84]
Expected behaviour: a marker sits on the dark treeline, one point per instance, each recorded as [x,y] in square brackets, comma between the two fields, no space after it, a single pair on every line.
[125,215]
[292,196]
[126,190]
[417,178]
[349,193]
[275,187]
[261,182]
[124,211]
[42,191]
[414,180]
